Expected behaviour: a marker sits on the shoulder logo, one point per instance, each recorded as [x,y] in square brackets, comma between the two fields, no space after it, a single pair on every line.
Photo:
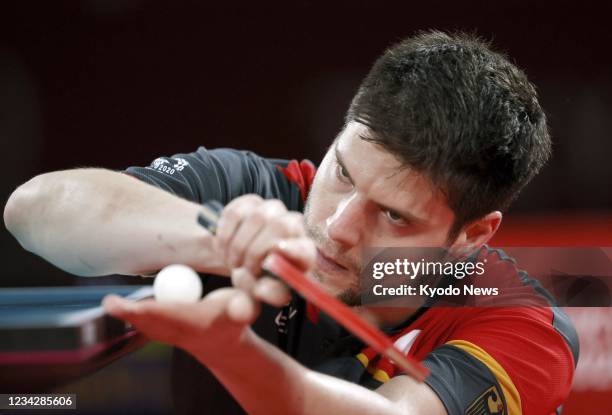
[166,165]
[488,403]
[159,162]
[180,164]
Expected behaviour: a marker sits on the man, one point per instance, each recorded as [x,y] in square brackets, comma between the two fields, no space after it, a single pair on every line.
[440,138]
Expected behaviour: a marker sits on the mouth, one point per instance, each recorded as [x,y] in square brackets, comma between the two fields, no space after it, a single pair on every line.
[328,264]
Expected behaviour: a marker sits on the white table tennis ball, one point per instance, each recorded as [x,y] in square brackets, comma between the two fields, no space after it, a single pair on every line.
[177,283]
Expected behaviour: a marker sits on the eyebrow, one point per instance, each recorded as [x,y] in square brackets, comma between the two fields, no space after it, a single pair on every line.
[404,214]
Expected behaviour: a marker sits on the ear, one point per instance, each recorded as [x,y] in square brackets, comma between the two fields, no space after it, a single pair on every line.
[477,233]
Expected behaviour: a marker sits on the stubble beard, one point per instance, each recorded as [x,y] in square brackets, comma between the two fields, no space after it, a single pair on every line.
[349,296]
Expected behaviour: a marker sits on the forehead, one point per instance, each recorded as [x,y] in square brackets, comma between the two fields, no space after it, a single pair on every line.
[377,163]
[382,178]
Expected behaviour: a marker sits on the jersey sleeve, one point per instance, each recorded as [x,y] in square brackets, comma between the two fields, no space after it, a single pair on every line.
[221,174]
[505,361]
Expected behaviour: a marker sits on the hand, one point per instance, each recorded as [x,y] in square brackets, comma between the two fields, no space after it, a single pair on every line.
[249,229]
[213,327]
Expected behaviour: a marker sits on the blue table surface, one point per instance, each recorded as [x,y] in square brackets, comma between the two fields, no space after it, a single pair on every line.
[44,306]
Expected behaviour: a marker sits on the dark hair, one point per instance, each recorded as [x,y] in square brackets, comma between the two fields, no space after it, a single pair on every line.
[463,115]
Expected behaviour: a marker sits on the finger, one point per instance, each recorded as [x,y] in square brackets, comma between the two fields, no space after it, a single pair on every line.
[286,226]
[255,223]
[132,310]
[272,291]
[182,324]
[242,308]
[243,278]
[243,236]
[142,311]
[231,218]
[301,251]
[258,251]
[137,313]
[119,307]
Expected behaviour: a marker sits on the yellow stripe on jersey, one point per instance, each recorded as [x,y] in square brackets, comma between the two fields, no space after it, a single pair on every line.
[363,359]
[513,399]
[381,376]
[378,374]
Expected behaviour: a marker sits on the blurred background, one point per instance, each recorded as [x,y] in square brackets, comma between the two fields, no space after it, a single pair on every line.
[112,83]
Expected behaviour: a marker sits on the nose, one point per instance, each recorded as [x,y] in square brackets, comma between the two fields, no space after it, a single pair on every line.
[345,225]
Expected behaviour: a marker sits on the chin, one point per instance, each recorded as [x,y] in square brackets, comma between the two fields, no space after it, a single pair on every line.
[350,297]
[336,286]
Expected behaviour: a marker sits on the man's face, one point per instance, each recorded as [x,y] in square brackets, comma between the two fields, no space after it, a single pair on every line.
[361,197]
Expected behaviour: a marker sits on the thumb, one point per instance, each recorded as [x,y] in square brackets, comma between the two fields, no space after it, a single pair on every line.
[118,307]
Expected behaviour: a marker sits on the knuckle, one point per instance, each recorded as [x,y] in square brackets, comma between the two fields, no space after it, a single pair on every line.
[276,205]
[250,199]
[273,208]
[257,216]
[230,214]
[293,223]
[279,225]
[254,254]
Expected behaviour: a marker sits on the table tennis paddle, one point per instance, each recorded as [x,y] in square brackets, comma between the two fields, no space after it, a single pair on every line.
[277,266]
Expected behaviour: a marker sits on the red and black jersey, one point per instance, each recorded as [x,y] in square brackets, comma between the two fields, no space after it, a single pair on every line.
[482,360]
[512,360]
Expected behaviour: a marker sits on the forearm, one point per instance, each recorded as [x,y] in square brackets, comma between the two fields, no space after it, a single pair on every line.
[98,222]
[266,381]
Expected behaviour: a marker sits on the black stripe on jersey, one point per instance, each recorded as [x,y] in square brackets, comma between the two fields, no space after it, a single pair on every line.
[459,379]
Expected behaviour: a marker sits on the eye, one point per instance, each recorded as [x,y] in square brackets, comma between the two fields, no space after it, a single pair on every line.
[342,174]
[394,217]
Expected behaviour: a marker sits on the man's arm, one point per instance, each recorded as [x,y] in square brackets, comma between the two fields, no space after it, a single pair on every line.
[266,381]
[92,222]
[262,378]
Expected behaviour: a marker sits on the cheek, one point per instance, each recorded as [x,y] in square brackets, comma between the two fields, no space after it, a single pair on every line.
[323,198]
[320,203]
